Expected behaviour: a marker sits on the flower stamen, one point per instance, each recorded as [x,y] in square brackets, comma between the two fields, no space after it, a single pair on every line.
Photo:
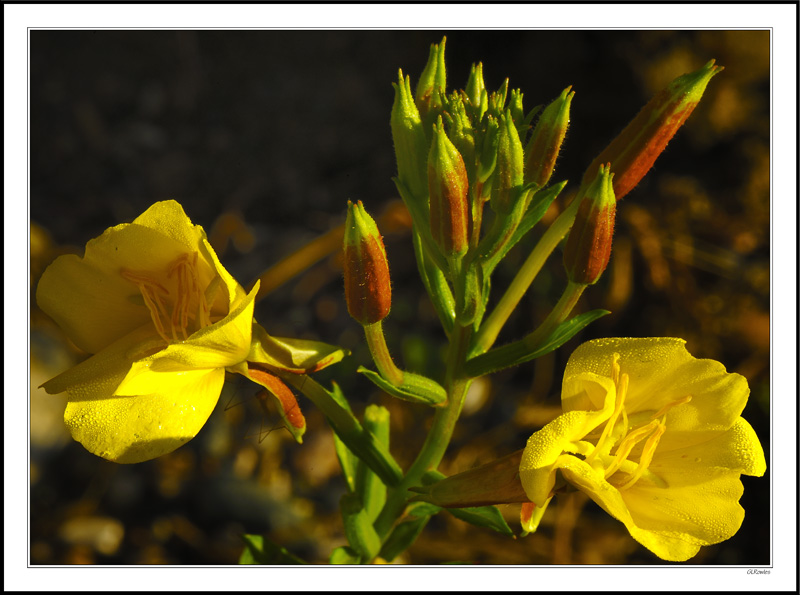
[150,288]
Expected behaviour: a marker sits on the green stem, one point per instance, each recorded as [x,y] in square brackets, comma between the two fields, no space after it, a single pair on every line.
[530,268]
[558,314]
[438,437]
[380,353]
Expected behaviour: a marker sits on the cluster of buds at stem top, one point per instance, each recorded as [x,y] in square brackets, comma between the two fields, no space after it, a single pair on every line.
[588,247]
[367,287]
[447,186]
[636,148]
[545,143]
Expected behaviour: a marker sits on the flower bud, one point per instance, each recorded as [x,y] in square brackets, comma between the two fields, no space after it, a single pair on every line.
[459,130]
[517,111]
[636,148]
[433,78]
[588,247]
[475,85]
[410,147]
[508,175]
[545,143]
[367,287]
[488,149]
[447,186]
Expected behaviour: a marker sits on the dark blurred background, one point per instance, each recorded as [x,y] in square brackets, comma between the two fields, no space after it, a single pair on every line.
[263,136]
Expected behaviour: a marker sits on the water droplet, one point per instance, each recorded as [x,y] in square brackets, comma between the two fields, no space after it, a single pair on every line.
[697,459]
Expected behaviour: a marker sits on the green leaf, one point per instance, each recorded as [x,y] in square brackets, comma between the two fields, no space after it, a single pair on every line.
[436,284]
[344,555]
[540,202]
[488,517]
[520,352]
[347,460]
[405,533]
[415,388]
[260,550]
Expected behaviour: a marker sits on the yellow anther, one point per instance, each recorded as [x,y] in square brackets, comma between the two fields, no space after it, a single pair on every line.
[669,406]
[619,409]
[647,455]
[627,444]
[188,298]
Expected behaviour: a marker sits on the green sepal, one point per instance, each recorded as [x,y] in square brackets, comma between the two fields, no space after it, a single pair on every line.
[520,351]
[260,550]
[415,388]
[358,527]
[436,285]
[298,356]
[488,517]
[406,532]
[369,487]
[344,555]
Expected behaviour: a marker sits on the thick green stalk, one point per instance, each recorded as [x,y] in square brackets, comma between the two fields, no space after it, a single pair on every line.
[530,268]
[438,437]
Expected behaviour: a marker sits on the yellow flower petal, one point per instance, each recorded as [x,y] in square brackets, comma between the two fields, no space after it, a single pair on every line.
[660,445]
[662,543]
[223,344]
[136,428]
[544,447]
[102,373]
[90,299]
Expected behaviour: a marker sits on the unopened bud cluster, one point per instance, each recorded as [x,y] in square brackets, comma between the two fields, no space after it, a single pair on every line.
[475,144]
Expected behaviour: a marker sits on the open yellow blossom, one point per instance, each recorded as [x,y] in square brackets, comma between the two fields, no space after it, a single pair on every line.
[164,321]
[655,437]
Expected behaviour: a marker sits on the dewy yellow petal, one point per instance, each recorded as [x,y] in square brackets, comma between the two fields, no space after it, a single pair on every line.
[91,299]
[164,319]
[136,428]
[664,457]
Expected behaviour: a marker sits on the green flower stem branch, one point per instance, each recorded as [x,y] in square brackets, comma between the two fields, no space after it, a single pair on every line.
[531,344]
[438,437]
[527,273]
[380,353]
[360,441]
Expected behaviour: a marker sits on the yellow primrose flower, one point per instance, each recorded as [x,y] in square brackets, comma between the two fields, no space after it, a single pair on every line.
[655,437]
[163,320]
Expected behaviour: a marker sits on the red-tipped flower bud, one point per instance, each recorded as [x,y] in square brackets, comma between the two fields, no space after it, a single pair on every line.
[588,246]
[367,287]
[447,186]
[636,148]
[545,143]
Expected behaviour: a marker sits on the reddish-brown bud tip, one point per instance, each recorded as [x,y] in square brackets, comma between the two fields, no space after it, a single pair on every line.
[367,286]
[636,148]
[588,247]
